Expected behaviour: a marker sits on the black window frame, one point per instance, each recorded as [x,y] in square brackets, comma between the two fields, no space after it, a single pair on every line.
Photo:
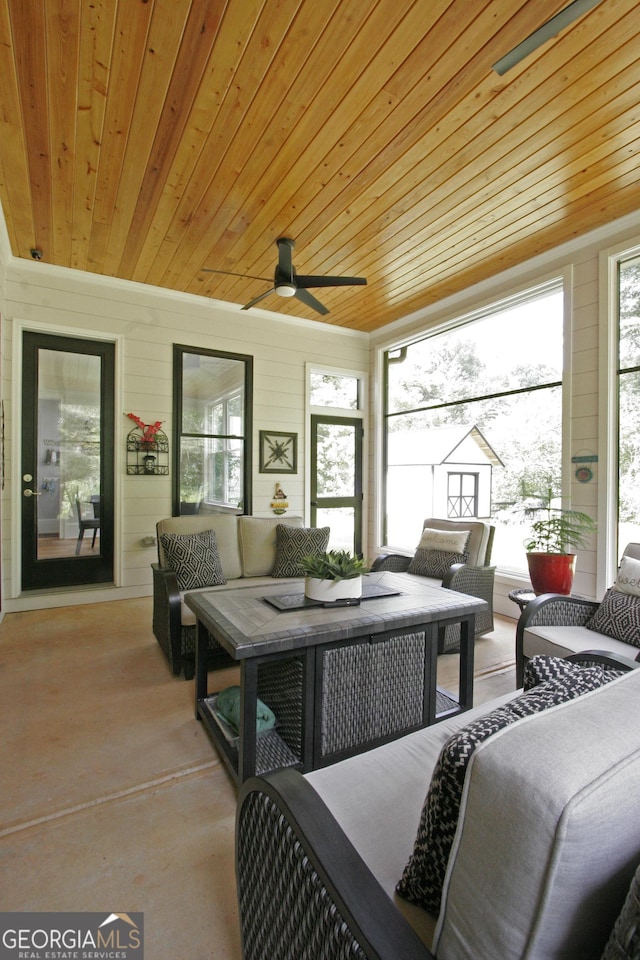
[179,351]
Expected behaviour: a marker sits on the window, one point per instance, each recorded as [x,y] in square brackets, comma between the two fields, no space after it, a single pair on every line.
[212,442]
[334,390]
[628,405]
[462,496]
[473,423]
[336,444]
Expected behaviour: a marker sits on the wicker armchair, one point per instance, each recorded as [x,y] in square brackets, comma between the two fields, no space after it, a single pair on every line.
[566,617]
[306,893]
[475,578]
[550,610]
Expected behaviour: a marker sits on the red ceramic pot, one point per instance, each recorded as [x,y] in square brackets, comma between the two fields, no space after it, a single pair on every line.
[551,572]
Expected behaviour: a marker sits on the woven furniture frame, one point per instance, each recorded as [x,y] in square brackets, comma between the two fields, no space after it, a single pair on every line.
[474,579]
[390,674]
[305,893]
[178,642]
[551,610]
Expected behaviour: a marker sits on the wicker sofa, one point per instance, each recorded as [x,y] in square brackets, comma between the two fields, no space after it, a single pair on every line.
[247,549]
[556,625]
[546,846]
[475,576]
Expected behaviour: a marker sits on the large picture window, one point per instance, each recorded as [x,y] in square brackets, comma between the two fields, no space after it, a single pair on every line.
[628,402]
[473,423]
[212,417]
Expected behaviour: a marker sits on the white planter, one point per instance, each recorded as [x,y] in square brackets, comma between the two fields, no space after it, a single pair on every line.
[326,591]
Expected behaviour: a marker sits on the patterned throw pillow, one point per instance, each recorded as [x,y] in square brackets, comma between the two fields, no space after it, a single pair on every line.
[294,543]
[194,558]
[438,550]
[628,579]
[434,563]
[450,541]
[423,876]
[618,616]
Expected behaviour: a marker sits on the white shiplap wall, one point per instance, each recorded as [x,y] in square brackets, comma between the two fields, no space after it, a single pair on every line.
[146,322]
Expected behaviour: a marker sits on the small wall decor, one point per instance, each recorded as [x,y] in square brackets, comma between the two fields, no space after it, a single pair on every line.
[278,452]
[147,449]
[279,504]
[584,473]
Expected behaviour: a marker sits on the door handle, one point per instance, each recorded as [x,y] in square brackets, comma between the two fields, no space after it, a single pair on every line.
[31,493]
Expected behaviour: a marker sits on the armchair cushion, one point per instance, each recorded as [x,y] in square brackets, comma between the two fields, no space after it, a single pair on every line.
[423,877]
[452,541]
[438,550]
[434,563]
[257,540]
[294,543]
[478,546]
[194,558]
[618,616]
[628,579]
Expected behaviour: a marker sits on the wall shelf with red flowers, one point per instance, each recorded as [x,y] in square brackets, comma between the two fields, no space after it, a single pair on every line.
[147,458]
[147,449]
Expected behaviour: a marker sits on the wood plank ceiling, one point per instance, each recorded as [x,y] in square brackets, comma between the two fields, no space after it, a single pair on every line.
[148,139]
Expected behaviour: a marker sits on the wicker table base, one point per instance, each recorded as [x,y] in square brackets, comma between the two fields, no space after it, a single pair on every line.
[339,680]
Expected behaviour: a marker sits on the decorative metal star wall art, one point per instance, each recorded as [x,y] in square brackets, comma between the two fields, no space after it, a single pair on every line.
[278,452]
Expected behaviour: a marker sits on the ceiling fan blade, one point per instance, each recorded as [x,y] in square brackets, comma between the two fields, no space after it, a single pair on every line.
[255,300]
[311,301]
[548,30]
[309,281]
[229,273]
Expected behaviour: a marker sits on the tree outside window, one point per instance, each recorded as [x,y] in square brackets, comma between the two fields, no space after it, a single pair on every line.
[497,377]
[629,402]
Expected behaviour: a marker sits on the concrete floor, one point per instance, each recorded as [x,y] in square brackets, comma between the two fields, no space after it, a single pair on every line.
[113,798]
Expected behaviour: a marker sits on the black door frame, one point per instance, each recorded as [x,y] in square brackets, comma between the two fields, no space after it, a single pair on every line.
[39,574]
[356,501]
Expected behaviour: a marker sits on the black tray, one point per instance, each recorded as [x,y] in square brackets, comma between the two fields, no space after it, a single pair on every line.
[298,601]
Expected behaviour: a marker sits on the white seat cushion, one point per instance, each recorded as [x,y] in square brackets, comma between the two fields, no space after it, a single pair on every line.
[563,641]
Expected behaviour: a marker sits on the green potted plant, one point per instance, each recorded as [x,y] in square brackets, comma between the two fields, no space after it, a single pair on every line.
[334,575]
[550,558]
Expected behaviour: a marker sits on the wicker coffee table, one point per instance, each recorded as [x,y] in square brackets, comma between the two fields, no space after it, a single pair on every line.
[340,680]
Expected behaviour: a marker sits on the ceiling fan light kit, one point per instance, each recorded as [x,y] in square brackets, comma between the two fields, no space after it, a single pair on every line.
[288,283]
[285,289]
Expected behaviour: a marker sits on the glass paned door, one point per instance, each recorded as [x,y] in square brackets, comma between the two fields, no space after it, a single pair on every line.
[67,461]
[336,479]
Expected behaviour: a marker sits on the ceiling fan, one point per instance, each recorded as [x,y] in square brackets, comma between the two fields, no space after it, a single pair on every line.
[288,283]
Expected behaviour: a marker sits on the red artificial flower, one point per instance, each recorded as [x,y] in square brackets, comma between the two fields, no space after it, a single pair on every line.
[149,430]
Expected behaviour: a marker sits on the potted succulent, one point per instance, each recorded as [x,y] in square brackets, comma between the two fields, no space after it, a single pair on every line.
[551,562]
[334,575]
